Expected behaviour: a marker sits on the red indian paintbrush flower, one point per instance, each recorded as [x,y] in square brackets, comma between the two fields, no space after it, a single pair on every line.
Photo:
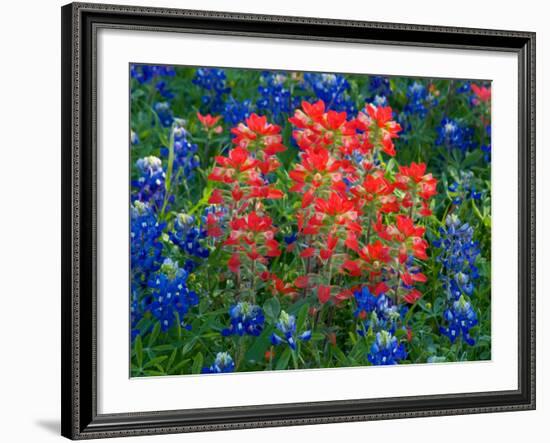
[378,124]
[338,207]
[237,166]
[375,191]
[310,115]
[482,93]
[209,122]
[315,169]
[414,178]
[318,129]
[259,136]
[252,237]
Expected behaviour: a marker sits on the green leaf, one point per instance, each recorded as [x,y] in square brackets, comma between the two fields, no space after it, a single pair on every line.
[153,373]
[400,333]
[472,158]
[301,319]
[163,348]
[177,369]
[340,356]
[272,308]
[187,347]
[197,363]
[138,349]
[170,361]
[155,361]
[316,336]
[259,346]
[282,363]
[391,165]
[154,334]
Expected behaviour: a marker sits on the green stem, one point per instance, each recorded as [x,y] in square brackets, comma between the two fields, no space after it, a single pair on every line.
[476,211]
[240,352]
[450,93]
[294,359]
[253,282]
[206,150]
[397,287]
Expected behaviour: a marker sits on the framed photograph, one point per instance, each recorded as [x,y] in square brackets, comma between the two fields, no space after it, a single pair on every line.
[273,221]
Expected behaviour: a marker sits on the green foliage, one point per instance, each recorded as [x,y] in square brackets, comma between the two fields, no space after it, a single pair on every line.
[194,342]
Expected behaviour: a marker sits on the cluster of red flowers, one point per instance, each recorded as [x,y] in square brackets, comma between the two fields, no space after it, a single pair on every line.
[243,187]
[245,166]
[357,216]
[356,221]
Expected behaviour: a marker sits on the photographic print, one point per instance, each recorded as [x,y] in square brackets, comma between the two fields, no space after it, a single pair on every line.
[301,220]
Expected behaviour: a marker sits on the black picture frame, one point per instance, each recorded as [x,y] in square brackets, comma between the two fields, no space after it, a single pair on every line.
[79,177]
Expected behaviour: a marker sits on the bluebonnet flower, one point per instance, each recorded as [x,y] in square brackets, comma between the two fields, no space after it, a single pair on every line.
[452,135]
[222,363]
[164,113]
[186,159]
[366,300]
[379,90]
[380,101]
[386,350]
[246,318]
[171,298]
[416,97]
[379,86]
[458,257]
[379,312]
[134,139]
[464,189]
[146,74]
[145,257]
[332,89]
[464,87]
[459,271]
[287,326]
[145,244]
[187,235]
[213,83]
[291,238]
[460,317]
[235,111]
[150,185]
[419,100]
[274,95]
[486,148]
[163,90]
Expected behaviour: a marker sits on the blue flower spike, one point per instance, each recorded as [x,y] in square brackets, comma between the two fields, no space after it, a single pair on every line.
[287,327]
[246,319]
[386,350]
[459,272]
[222,364]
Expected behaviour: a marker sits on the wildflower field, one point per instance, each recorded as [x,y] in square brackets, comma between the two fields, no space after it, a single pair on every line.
[291,220]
